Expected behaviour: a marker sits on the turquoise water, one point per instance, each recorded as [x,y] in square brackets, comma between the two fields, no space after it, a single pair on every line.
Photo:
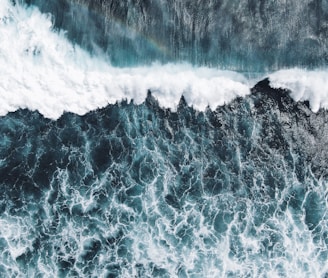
[242,35]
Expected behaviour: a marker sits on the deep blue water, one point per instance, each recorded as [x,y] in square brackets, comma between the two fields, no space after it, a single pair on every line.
[140,191]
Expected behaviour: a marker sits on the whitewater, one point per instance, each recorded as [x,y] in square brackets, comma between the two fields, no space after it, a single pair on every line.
[161,169]
[41,70]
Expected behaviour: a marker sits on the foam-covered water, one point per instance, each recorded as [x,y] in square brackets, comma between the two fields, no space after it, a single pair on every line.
[304,85]
[154,187]
[134,190]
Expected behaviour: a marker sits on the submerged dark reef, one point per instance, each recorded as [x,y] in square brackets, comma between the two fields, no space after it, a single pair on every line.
[141,191]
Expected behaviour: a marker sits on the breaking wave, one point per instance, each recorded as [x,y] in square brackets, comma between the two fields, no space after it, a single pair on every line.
[41,70]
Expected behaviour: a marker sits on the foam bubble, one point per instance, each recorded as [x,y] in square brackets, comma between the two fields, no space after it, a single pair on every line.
[14,232]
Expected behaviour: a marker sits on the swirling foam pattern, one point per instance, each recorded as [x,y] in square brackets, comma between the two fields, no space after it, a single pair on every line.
[140,191]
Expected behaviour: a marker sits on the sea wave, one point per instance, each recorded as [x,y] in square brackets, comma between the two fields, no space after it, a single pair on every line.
[42,70]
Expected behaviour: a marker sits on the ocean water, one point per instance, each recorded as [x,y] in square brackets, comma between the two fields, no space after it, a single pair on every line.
[124,156]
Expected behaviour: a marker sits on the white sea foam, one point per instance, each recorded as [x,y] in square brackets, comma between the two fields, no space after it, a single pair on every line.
[41,70]
[304,85]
